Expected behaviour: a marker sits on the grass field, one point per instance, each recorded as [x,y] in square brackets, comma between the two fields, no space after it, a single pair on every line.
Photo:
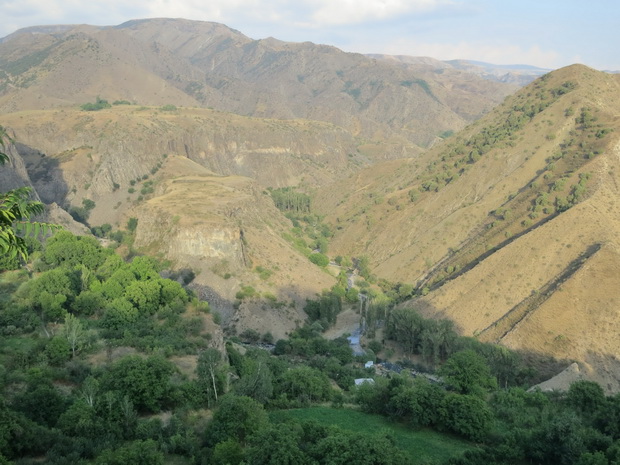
[423,445]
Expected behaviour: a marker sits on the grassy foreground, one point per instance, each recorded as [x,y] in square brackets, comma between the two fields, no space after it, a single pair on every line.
[423,445]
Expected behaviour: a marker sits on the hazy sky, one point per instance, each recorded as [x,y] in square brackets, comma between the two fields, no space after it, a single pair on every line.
[545,33]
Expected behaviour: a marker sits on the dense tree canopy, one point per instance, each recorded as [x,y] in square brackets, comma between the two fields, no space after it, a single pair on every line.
[85,303]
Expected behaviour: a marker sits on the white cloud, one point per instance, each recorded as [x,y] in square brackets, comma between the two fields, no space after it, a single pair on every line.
[329,12]
[302,13]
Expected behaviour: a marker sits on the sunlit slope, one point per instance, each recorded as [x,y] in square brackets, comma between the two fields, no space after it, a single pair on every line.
[512,227]
[481,188]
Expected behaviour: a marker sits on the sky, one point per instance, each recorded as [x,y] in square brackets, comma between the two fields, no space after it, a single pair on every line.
[544,33]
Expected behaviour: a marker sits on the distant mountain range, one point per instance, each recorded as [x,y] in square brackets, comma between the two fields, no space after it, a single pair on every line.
[519,75]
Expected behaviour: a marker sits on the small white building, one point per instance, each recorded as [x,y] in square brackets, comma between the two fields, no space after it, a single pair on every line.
[360,381]
[369,364]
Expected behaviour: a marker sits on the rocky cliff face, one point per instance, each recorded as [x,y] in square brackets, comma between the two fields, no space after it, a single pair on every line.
[14,174]
[223,228]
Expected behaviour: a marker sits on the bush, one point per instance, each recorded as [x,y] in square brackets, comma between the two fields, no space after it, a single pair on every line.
[79,214]
[99,104]
[319,259]
[132,224]
[250,335]
[246,292]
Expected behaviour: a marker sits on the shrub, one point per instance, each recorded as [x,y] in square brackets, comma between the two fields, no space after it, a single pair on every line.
[246,292]
[99,104]
[319,259]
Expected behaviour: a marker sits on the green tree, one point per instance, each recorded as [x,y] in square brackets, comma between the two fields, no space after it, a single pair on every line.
[119,315]
[210,375]
[256,380]
[228,452]
[111,264]
[237,417]
[352,295]
[466,415]
[592,458]
[52,292]
[468,373]
[419,404]
[115,285]
[587,397]
[373,397]
[74,332]
[558,440]
[144,295]
[134,453]
[341,447]
[132,224]
[40,401]
[405,326]
[319,259]
[58,350]
[277,444]
[144,268]
[437,339]
[80,420]
[99,104]
[88,303]
[304,384]
[65,248]
[146,382]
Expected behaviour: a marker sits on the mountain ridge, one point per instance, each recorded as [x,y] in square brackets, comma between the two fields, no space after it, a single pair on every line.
[193,63]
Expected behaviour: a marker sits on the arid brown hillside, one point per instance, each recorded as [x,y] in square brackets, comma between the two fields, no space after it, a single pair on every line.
[103,155]
[511,227]
[191,63]
[225,228]
[184,175]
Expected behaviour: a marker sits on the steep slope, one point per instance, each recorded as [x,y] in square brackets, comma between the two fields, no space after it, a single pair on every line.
[191,63]
[14,175]
[105,155]
[510,228]
[223,228]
